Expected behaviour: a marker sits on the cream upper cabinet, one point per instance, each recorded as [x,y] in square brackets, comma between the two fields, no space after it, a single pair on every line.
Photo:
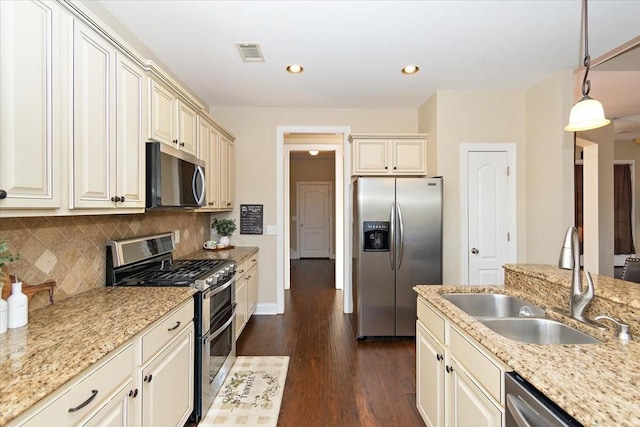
[187,128]
[374,154]
[227,172]
[32,91]
[162,120]
[171,120]
[458,382]
[109,123]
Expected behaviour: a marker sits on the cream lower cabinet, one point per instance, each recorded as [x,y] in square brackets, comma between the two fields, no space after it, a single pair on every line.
[100,394]
[458,383]
[246,291]
[167,383]
[148,381]
[32,97]
[374,154]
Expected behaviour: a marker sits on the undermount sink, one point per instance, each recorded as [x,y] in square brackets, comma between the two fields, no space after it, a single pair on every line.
[493,305]
[538,331]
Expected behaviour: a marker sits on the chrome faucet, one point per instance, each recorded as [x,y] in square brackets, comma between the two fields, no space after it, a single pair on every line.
[570,259]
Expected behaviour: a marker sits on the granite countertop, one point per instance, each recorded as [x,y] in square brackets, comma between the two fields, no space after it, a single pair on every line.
[64,339]
[595,383]
[238,254]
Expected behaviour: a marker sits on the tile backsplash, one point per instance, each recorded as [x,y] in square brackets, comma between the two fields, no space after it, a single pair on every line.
[71,250]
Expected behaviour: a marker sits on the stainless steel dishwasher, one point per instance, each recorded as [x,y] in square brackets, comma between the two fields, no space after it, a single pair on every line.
[528,407]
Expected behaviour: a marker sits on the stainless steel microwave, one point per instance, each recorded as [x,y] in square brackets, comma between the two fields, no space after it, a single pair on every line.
[174,179]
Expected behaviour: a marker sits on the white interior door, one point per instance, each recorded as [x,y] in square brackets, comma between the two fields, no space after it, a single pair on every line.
[314,219]
[488,245]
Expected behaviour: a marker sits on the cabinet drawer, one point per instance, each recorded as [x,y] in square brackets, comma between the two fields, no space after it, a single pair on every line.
[431,320]
[241,268]
[484,370]
[251,261]
[167,328]
[101,382]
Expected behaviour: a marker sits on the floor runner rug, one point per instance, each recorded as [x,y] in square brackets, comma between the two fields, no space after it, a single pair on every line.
[251,394]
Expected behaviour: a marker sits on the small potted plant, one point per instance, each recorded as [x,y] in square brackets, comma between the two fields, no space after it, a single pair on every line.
[224,228]
[6,258]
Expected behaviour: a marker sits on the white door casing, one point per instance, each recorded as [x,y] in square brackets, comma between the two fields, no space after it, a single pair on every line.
[489,212]
[342,240]
[314,219]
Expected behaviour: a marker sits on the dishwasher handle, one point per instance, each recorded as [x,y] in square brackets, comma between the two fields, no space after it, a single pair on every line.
[517,408]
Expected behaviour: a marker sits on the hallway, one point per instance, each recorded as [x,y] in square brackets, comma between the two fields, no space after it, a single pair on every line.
[333,379]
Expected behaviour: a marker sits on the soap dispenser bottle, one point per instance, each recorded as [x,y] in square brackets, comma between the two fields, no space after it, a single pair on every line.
[3,313]
[18,306]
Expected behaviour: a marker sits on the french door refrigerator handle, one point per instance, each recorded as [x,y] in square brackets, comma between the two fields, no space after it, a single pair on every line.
[392,235]
[401,231]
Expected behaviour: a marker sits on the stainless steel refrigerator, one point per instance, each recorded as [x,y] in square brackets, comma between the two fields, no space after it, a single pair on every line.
[397,245]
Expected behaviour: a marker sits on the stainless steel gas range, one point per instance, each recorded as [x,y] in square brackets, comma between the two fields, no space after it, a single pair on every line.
[148,261]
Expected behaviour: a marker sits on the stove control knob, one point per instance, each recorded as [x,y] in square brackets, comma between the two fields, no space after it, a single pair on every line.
[209,280]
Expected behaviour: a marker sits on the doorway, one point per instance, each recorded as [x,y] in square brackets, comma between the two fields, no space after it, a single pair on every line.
[342,203]
[489,212]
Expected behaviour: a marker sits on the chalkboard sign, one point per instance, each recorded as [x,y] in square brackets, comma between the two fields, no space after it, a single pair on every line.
[251,219]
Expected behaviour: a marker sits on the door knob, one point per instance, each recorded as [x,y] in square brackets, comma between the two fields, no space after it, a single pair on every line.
[474,251]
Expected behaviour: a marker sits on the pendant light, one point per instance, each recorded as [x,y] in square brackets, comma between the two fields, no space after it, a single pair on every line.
[587,113]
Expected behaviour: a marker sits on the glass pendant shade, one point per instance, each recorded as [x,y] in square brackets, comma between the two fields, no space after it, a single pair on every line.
[314,152]
[585,115]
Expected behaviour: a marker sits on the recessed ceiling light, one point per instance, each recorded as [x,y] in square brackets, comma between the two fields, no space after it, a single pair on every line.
[410,69]
[295,69]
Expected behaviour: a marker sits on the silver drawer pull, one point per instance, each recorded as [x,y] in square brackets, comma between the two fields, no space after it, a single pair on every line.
[94,393]
[175,327]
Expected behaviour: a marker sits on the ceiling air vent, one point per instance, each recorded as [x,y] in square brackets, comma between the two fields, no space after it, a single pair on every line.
[250,52]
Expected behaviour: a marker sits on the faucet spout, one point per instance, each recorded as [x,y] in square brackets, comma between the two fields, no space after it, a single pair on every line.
[570,260]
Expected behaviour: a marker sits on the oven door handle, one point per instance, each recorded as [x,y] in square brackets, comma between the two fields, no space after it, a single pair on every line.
[223,327]
[218,289]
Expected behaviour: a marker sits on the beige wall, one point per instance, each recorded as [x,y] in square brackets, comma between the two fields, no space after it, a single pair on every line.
[549,191]
[72,249]
[255,131]
[469,117]
[309,169]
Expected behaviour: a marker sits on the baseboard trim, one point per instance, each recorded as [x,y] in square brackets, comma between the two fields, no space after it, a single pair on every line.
[266,309]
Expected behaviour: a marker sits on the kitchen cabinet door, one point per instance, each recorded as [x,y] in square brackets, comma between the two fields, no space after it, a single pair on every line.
[469,405]
[167,383]
[162,116]
[94,133]
[118,412]
[131,114]
[32,87]
[430,378]
[241,304]
[252,287]
[187,128]
[408,156]
[370,156]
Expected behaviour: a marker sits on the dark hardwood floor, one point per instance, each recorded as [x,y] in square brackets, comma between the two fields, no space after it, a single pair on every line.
[333,379]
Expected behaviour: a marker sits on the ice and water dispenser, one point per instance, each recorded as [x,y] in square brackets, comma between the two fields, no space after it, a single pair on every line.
[376,236]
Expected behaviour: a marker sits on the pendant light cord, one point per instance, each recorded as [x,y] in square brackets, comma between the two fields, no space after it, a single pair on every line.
[586,84]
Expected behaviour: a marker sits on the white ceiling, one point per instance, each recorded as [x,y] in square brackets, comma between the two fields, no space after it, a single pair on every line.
[353,51]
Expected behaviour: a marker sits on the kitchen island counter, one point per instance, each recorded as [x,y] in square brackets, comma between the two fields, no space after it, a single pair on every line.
[594,383]
[64,339]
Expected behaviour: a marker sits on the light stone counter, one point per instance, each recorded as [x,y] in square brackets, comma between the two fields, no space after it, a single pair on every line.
[595,383]
[64,339]
[238,254]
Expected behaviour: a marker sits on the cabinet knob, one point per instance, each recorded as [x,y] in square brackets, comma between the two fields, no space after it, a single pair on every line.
[115,199]
[385,168]
[395,167]
[449,369]
[3,194]
[133,393]
[475,251]
[122,199]
[148,378]
[182,144]
[439,357]
[175,141]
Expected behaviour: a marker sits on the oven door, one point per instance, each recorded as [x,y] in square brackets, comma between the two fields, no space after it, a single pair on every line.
[214,301]
[218,354]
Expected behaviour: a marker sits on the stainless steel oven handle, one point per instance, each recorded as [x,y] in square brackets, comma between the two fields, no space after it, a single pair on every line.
[218,289]
[223,327]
